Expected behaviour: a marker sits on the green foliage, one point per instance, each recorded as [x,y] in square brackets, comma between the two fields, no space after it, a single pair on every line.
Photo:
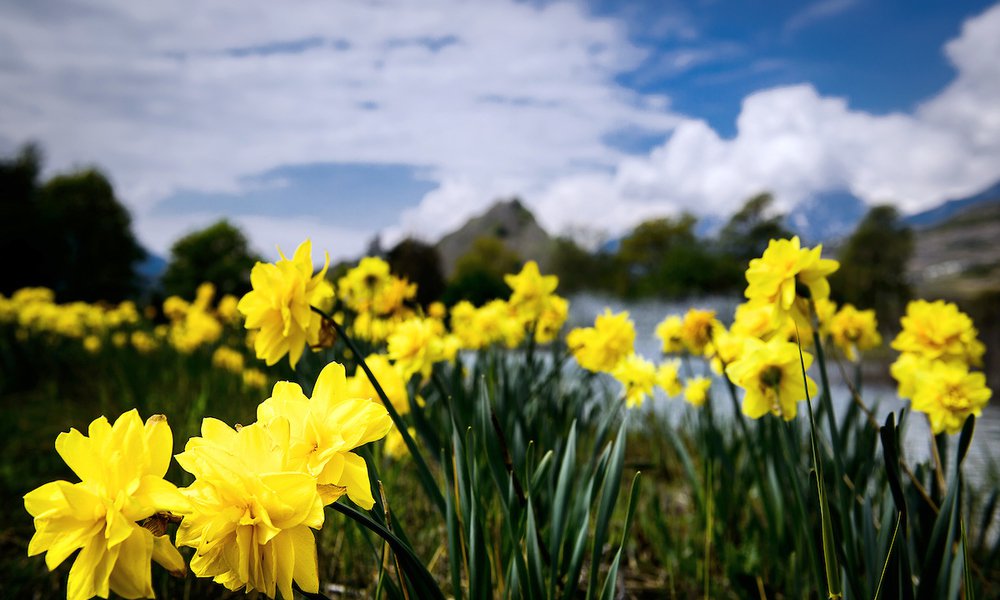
[479,272]
[663,257]
[219,254]
[873,265]
[579,269]
[23,236]
[92,238]
[72,233]
[419,263]
[748,231]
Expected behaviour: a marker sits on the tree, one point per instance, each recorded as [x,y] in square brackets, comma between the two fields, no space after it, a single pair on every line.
[93,250]
[23,235]
[479,272]
[219,254]
[579,269]
[748,231]
[420,263]
[873,263]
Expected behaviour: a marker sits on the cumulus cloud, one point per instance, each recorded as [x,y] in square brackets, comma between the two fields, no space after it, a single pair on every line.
[484,99]
[193,96]
[796,143]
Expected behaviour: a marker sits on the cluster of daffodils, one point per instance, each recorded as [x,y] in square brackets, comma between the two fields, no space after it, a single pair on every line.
[33,312]
[938,347]
[377,298]
[609,347]
[376,307]
[787,299]
[258,493]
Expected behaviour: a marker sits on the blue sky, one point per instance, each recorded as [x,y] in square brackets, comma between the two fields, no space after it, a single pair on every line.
[340,120]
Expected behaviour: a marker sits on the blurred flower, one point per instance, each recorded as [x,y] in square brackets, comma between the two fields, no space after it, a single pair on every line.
[279,305]
[395,447]
[251,513]
[696,330]
[254,378]
[638,378]
[143,342]
[771,374]
[359,286]
[667,377]
[227,309]
[669,331]
[119,339]
[726,347]
[696,390]
[437,310]
[599,348]
[854,331]
[948,393]
[415,346]
[555,309]
[529,290]
[387,375]
[121,469]
[228,359]
[92,344]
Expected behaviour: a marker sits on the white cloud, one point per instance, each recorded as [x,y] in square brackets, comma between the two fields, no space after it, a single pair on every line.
[192,95]
[816,12]
[486,99]
[796,143]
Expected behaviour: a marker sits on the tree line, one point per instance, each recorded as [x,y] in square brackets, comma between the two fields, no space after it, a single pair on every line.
[72,234]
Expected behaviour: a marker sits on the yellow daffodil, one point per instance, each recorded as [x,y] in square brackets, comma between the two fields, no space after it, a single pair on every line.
[388,376]
[359,286]
[228,359]
[121,469]
[251,513]
[938,330]
[696,390]
[696,330]
[415,346]
[254,378]
[638,378]
[854,331]
[669,331]
[948,393]
[143,342]
[325,429]
[726,347]
[395,447]
[437,310]
[92,344]
[529,289]
[601,347]
[668,378]
[279,305]
[227,310]
[771,375]
[787,276]
[554,312]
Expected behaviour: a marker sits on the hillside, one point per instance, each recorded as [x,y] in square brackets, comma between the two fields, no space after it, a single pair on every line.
[507,220]
[960,257]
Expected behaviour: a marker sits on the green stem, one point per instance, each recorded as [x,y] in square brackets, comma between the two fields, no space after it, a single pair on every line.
[829,555]
[427,479]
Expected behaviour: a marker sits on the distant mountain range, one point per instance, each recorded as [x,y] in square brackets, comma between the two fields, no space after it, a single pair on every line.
[832,216]
[942,212]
